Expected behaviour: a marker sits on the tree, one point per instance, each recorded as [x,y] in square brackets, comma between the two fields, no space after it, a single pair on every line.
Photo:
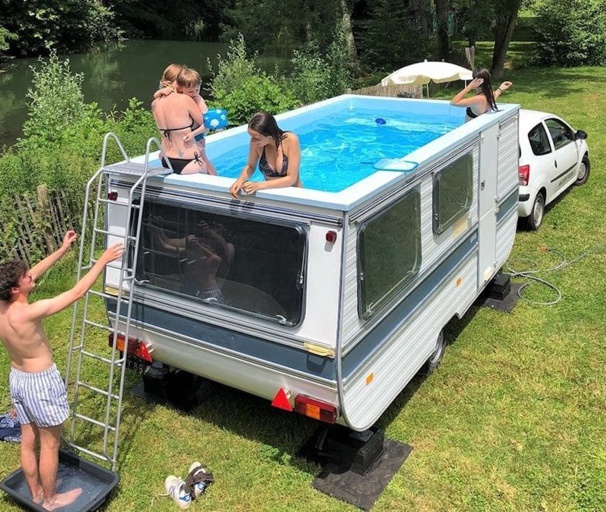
[506,13]
[346,9]
[62,25]
[443,37]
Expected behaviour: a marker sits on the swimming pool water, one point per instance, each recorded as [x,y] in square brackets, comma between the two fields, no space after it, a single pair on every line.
[340,149]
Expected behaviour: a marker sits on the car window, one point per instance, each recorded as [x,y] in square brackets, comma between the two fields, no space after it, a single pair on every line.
[561,133]
[539,142]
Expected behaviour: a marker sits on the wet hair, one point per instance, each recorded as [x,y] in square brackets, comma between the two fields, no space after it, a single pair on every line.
[188,78]
[170,74]
[265,124]
[10,273]
[486,86]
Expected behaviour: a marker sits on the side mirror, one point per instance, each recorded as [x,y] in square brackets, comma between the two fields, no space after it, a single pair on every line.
[580,134]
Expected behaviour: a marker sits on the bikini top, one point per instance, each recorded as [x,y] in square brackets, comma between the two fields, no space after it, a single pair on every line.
[166,131]
[470,113]
[268,171]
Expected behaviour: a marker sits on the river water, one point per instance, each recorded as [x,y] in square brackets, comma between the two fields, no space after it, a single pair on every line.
[113,73]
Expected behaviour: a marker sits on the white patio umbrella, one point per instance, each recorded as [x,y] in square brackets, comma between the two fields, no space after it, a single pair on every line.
[424,72]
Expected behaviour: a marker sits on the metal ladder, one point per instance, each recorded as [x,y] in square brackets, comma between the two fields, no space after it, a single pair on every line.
[106,404]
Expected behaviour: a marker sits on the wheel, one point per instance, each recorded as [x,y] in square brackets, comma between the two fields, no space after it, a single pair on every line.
[583,174]
[534,220]
[436,357]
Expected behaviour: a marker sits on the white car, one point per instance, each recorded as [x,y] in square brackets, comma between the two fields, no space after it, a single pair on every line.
[553,157]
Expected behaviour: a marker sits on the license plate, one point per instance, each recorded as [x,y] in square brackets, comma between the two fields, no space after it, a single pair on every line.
[136,364]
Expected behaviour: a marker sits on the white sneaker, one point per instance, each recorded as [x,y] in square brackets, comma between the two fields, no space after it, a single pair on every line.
[196,476]
[174,489]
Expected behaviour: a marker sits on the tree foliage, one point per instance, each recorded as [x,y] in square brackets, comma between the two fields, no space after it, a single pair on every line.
[63,135]
[63,25]
[278,27]
[394,36]
[571,33]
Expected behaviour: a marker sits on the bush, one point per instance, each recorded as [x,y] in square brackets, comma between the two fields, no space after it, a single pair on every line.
[63,136]
[243,89]
[571,33]
[316,77]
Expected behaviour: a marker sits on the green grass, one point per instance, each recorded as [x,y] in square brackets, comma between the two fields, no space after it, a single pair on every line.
[513,420]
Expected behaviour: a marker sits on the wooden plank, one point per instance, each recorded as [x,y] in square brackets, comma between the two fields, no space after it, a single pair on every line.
[44,217]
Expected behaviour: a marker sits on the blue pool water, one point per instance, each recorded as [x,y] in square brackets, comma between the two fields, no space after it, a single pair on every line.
[342,141]
[341,149]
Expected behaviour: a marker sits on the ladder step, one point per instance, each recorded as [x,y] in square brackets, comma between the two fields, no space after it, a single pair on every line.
[119,267]
[134,206]
[97,390]
[107,360]
[95,422]
[101,294]
[99,456]
[100,326]
[117,235]
[135,169]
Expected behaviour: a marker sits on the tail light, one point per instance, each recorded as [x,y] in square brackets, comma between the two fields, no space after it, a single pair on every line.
[134,347]
[315,409]
[523,174]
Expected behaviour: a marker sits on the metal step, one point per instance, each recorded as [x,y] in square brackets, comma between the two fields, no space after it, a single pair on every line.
[134,169]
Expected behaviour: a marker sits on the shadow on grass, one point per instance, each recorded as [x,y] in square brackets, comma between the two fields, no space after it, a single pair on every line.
[451,333]
[282,434]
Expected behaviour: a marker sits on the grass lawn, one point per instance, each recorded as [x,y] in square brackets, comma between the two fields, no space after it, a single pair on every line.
[513,420]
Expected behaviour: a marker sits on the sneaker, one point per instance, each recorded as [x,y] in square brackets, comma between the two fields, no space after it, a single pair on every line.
[174,489]
[198,478]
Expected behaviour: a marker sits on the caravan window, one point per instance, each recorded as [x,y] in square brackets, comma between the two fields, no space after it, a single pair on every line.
[452,192]
[252,267]
[389,253]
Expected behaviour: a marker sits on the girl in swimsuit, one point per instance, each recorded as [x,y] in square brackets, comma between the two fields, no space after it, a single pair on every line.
[485,98]
[177,116]
[277,152]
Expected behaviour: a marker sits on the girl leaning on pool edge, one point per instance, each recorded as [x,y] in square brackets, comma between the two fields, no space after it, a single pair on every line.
[484,100]
[277,152]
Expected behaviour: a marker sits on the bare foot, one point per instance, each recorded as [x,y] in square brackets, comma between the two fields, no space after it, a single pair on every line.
[38,498]
[62,499]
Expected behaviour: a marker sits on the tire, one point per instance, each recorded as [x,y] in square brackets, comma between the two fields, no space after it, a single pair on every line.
[437,355]
[583,174]
[534,220]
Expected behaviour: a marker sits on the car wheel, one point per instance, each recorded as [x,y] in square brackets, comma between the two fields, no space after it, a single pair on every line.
[436,357]
[534,220]
[583,174]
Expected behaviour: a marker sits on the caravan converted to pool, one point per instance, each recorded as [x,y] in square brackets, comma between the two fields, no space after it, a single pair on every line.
[326,299]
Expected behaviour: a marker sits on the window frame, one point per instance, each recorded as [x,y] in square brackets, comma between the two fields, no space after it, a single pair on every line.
[545,139]
[301,232]
[367,310]
[440,226]
[561,128]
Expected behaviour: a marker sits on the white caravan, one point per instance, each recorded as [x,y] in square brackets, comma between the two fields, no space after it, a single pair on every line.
[327,299]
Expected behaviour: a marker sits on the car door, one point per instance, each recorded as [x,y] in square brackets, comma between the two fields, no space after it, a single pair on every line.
[565,155]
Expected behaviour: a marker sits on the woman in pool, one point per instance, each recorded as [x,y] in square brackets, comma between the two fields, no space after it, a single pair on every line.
[485,98]
[277,152]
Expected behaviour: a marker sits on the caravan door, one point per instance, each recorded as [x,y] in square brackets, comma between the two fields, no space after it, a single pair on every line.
[487,205]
